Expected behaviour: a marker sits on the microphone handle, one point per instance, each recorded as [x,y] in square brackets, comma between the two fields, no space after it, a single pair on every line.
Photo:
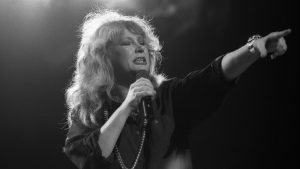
[147,107]
[146,101]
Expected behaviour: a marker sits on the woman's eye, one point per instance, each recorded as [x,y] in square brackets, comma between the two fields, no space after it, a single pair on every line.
[127,43]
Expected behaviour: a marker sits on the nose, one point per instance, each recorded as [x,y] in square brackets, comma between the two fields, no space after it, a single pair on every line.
[139,49]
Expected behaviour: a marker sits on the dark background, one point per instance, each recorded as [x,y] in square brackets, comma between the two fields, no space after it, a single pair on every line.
[257,126]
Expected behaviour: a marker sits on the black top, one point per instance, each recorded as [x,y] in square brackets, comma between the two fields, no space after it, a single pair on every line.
[179,105]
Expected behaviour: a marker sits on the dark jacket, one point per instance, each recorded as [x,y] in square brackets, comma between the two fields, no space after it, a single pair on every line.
[179,105]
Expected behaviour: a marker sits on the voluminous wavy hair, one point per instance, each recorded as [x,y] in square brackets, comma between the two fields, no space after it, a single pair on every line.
[93,78]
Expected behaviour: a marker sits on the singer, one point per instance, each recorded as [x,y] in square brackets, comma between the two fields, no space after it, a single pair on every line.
[124,114]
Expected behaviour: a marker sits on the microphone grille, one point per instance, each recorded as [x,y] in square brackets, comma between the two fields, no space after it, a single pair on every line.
[142,73]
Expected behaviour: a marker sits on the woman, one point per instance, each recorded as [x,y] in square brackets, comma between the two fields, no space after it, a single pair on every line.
[108,127]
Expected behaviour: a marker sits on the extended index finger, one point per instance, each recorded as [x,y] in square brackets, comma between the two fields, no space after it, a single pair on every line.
[283,33]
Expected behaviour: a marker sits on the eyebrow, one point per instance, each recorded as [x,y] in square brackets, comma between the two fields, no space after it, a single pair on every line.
[139,37]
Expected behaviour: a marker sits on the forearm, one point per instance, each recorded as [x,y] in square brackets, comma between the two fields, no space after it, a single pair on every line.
[111,130]
[236,62]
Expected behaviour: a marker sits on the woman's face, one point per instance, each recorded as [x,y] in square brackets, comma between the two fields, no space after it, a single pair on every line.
[130,54]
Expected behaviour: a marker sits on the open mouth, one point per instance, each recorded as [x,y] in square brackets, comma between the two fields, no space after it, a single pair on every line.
[140,61]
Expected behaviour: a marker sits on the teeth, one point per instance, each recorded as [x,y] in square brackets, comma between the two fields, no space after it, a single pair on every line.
[140,60]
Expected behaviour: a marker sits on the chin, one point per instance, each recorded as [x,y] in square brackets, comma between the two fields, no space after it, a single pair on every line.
[142,67]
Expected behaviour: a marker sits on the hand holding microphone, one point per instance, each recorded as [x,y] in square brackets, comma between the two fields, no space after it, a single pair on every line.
[146,101]
[140,92]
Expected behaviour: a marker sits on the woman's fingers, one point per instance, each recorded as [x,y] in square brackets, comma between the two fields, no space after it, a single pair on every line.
[283,33]
[275,43]
[139,93]
[144,91]
[142,94]
[281,48]
[139,89]
[277,35]
[142,82]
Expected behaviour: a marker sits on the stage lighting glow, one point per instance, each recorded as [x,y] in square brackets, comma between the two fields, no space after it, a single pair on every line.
[122,4]
[44,3]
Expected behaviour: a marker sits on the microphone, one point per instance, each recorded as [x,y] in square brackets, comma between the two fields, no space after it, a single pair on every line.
[146,101]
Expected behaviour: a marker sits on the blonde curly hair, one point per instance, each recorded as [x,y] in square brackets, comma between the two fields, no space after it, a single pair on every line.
[93,78]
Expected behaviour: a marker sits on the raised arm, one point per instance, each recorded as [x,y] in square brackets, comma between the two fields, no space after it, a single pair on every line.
[236,62]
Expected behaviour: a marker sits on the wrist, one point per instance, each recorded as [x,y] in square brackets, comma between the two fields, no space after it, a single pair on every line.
[125,109]
[253,45]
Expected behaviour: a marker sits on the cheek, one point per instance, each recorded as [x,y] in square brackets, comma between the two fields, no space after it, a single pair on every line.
[117,54]
[121,58]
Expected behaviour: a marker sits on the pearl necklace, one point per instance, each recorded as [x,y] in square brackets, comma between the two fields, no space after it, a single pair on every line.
[117,152]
